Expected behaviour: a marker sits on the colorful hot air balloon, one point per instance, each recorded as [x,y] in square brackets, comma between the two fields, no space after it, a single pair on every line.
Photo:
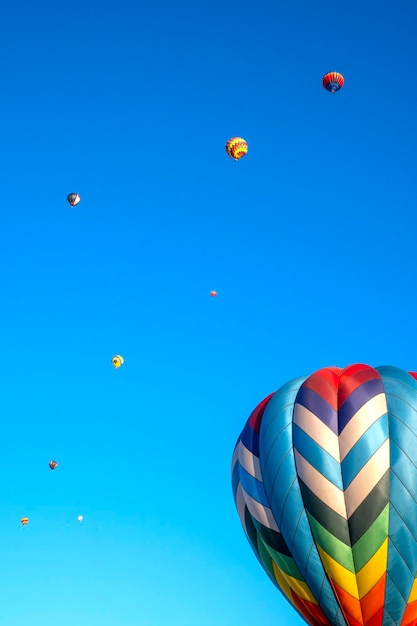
[333,81]
[73,199]
[24,521]
[213,294]
[117,360]
[53,464]
[236,148]
[324,477]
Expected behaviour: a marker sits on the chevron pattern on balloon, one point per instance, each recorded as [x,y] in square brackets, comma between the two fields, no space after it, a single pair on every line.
[325,482]
[260,526]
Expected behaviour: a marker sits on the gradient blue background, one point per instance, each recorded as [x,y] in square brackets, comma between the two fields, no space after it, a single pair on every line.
[310,242]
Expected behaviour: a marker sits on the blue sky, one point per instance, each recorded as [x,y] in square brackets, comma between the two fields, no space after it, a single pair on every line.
[309,241]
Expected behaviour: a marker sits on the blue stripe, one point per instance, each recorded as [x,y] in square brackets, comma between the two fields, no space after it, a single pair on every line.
[319,406]
[389,372]
[235,478]
[403,530]
[357,399]
[317,457]
[401,464]
[253,487]
[250,439]
[281,485]
[395,604]
[364,449]
[401,395]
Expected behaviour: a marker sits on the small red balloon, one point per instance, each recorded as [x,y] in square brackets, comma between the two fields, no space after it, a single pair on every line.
[213,294]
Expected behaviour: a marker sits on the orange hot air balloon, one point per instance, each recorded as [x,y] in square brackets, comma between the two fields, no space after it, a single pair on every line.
[24,521]
[213,294]
[333,81]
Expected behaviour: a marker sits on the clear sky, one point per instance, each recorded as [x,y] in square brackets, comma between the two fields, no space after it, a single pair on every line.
[309,241]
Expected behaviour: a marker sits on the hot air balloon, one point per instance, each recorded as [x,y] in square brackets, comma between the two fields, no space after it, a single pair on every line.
[333,81]
[53,464]
[117,360]
[80,518]
[236,148]
[24,521]
[73,198]
[213,294]
[324,477]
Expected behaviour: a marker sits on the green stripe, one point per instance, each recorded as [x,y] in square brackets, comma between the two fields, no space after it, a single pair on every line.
[337,549]
[370,509]
[373,539]
[286,563]
[335,523]
[265,558]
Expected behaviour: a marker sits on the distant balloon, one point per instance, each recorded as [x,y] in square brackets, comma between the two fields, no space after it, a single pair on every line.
[53,464]
[24,521]
[73,199]
[333,81]
[80,518]
[117,360]
[236,148]
[213,294]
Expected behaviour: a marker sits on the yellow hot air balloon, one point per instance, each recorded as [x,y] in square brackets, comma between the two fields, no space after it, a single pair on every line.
[24,521]
[236,148]
[117,360]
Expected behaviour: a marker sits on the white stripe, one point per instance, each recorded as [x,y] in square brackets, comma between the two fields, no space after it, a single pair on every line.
[249,461]
[320,486]
[262,514]
[317,430]
[367,415]
[235,458]
[240,505]
[368,477]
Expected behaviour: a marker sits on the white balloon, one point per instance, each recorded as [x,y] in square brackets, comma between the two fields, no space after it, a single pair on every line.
[80,518]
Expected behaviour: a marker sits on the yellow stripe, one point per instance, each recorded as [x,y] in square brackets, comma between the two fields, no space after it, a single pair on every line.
[282,583]
[287,582]
[370,573]
[339,574]
[358,584]
[413,592]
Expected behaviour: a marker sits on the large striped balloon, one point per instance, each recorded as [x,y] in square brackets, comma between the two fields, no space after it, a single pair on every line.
[325,482]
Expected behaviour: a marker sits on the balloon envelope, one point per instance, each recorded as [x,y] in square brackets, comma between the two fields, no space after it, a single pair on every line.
[333,81]
[236,148]
[324,477]
[73,198]
[117,361]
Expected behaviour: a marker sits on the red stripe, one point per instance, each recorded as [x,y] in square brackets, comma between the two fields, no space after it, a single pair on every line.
[353,377]
[255,417]
[410,615]
[325,382]
[312,613]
